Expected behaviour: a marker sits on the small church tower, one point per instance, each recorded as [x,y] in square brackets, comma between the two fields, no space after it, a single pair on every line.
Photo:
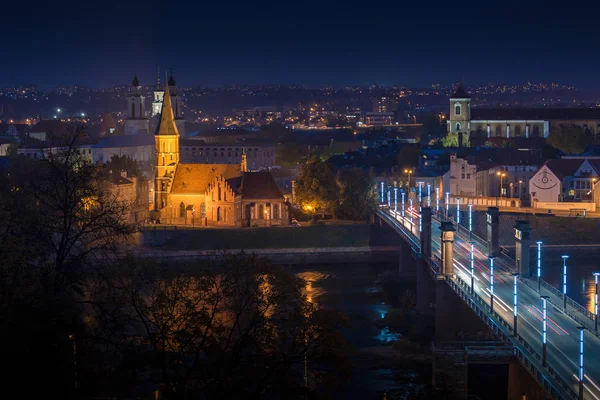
[460,114]
[136,123]
[167,152]
[158,97]
[244,163]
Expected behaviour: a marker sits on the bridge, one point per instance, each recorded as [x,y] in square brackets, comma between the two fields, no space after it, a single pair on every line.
[555,339]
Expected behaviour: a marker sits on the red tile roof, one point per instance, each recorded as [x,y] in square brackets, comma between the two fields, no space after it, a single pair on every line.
[259,185]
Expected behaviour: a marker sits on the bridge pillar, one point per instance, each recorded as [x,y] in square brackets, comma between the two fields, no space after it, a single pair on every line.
[447,241]
[523,252]
[493,230]
[426,232]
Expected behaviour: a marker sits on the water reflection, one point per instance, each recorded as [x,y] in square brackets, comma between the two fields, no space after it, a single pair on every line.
[312,291]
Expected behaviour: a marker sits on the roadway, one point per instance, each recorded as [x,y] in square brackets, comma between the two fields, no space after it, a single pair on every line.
[562,332]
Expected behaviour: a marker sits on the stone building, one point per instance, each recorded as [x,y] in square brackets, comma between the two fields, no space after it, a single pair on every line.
[528,123]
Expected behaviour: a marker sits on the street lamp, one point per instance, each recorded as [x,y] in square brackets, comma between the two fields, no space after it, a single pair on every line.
[539,265]
[544,328]
[420,193]
[596,301]
[447,205]
[457,215]
[501,175]
[581,373]
[395,200]
[565,281]
[410,211]
[520,191]
[492,283]
[472,267]
[437,201]
[389,197]
[381,192]
[408,172]
[515,279]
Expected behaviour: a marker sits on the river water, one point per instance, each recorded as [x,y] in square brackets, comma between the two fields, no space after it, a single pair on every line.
[362,293]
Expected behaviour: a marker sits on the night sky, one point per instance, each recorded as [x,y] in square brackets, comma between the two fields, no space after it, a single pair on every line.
[313,42]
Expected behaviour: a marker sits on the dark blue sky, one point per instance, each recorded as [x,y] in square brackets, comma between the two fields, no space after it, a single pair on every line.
[220,43]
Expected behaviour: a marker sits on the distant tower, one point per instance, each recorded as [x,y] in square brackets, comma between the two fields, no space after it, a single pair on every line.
[158,96]
[177,104]
[244,163]
[136,123]
[166,141]
[460,111]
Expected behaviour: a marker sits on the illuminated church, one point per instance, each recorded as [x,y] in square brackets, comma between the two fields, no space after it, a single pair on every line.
[210,194]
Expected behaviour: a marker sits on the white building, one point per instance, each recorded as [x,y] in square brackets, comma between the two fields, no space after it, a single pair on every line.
[565,180]
[461,178]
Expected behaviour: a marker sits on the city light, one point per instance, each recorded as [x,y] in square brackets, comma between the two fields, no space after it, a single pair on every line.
[389,197]
[565,281]
[515,279]
[420,192]
[402,194]
[381,192]
[544,328]
[492,283]
[447,204]
[428,195]
[437,200]
[457,212]
[395,199]
[539,264]
[472,267]
[470,220]
[581,373]
[596,301]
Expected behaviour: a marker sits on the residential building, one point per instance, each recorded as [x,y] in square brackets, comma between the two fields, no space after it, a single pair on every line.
[461,178]
[379,118]
[568,179]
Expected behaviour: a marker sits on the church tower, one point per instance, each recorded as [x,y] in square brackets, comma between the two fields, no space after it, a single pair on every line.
[244,163]
[460,112]
[158,97]
[167,152]
[177,104]
[136,123]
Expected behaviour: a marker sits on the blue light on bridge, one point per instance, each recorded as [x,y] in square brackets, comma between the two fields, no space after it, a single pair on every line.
[389,197]
[437,200]
[395,199]
[596,274]
[544,324]
[515,279]
[447,204]
[410,211]
[492,283]
[428,195]
[402,194]
[539,259]
[420,192]
[457,211]
[581,375]
[565,274]
[470,218]
[381,192]
[472,267]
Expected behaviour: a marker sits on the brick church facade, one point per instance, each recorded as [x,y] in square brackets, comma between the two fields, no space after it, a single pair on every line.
[219,195]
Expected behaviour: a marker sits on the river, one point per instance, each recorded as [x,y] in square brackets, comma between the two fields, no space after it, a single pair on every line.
[364,294]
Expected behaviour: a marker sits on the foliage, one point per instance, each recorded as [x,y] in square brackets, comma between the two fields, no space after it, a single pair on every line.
[54,224]
[432,127]
[488,144]
[451,139]
[316,187]
[568,139]
[124,163]
[358,195]
[291,154]
[239,330]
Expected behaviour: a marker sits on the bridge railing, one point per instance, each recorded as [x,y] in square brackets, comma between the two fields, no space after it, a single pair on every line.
[529,357]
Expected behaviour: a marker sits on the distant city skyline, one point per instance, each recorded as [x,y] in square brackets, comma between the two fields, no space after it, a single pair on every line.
[224,43]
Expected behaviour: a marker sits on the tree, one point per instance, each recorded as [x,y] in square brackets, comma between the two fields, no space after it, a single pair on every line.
[291,154]
[240,329]
[451,139]
[568,139]
[124,163]
[54,226]
[316,187]
[408,156]
[358,197]
[432,127]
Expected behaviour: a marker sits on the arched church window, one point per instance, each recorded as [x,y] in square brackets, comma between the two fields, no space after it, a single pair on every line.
[219,190]
[182,210]
[458,126]
[275,211]
[457,109]
[218,213]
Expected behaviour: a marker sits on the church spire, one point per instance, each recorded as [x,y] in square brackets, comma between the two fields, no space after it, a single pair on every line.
[171,79]
[166,125]
[244,163]
[136,81]
[158,77]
